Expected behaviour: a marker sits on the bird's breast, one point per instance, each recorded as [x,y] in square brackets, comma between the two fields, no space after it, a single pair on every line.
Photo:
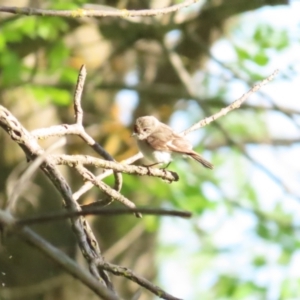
[152,154]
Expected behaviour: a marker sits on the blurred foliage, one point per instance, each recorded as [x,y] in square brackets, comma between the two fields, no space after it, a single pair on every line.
[236,238]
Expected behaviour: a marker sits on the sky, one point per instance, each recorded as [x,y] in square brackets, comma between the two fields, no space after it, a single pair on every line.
[284,162]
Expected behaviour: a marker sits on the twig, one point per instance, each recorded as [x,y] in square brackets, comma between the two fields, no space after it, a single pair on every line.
[77,95]
[105,212]
[85,237]
[125,272]
[21,184]
[236,104]
[57,256]
[241,148]
[34,290]
[255,140]
[187,83]
[78,129]
[288,112]
[83,134]
[167,90]
[124,243]
[80,13]
[113,194]
[88,185]
[73,160]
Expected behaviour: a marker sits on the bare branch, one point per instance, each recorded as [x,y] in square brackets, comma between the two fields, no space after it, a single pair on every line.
[236,104]
[21,184]
[86,137]
[61,215]
[167,90]
[78,129]
[212,145]
[77,95]
[88,185]
[80,13]
[127,273]
[73,160]
[85,237]
[187,83]
[57,256]
[113,194]
[125,242]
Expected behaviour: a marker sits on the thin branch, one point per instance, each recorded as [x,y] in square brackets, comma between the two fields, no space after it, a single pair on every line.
[74,160]
[267,217]
[169,91]
[85,136]
[88,185]
[286,111]
[187,83]
[105,212]
[274,142]
[22,183]
[127,273]
[57,256]
[78,129]
[77,95]
[113,194]
[34,290]
[180,69]
[85,237]
[80,13]
[124,243]
[236,104]
[241,148]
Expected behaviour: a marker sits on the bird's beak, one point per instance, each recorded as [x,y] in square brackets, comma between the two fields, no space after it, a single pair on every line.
[133,134]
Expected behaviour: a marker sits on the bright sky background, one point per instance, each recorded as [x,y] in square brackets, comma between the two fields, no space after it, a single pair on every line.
[284,162]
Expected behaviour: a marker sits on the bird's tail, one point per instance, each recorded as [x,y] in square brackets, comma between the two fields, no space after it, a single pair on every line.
[201,160]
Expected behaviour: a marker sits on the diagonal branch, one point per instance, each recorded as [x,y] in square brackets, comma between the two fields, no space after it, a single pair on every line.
[185,79]
[61,215]
[129,274]
[110,12]
[113,194]
[88,185]
[83,134]
[59,257]
[85,237]
[236,104]
[74,160]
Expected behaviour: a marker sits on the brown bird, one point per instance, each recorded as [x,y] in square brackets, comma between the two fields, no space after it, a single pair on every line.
[158,142]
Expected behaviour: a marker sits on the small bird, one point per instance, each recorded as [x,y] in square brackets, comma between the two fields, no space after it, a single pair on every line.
[158,142]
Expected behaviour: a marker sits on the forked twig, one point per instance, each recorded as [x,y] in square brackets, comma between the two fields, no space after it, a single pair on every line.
[236,104]
[110,12]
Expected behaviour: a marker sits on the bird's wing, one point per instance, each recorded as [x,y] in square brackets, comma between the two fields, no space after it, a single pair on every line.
[160,137]
[179,144]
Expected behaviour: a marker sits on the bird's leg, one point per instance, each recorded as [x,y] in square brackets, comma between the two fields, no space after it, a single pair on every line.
[158,163]
[164,168]
[152,165]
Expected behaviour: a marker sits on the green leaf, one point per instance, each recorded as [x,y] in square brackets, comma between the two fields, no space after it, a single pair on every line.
[51,94]
[284,258]
[50,28]
[57,55]
[261,58]
[242,53]
[259,261]
[11,68]
[69,75]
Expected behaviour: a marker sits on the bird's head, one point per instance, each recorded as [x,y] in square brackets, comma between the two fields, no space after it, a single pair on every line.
[144,126]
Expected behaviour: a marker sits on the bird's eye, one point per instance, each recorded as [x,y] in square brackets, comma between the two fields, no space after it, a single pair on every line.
[145,129]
